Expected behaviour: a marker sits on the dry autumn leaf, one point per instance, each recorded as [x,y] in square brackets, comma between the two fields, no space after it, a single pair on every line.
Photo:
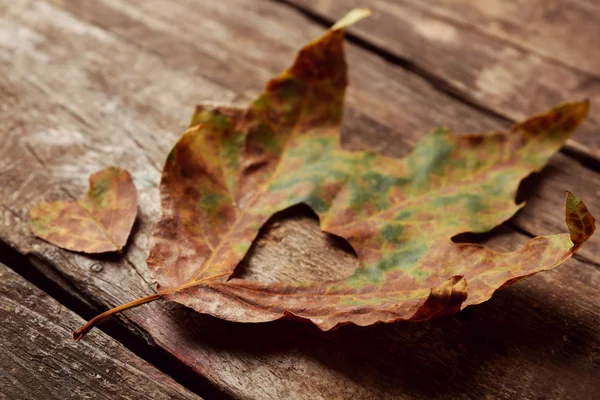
[234,168]
[98,223]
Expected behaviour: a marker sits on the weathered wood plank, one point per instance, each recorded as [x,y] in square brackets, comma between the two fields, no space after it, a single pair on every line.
[513,57]
[118,90]
[38,360]
[563,31]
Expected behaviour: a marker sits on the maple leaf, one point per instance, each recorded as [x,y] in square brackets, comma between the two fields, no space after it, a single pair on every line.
[98,223]
[234,168]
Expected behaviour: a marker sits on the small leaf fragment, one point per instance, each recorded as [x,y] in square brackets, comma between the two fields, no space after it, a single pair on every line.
[98,223]
[580,221]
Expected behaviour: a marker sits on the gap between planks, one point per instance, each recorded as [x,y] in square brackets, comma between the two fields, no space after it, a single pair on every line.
[137,343]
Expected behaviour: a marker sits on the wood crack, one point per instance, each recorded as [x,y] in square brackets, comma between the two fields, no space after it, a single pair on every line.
[35,155]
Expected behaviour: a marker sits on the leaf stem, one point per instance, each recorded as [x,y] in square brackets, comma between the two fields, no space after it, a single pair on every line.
[81,332]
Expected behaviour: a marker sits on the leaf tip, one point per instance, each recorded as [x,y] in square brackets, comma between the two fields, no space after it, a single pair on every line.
[580,221]
[110,172]
[572,114]
[579,109]
[352,17]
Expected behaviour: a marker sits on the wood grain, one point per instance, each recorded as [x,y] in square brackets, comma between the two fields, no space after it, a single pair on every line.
[564,31]
[39,361]
[515,58]
[89,84]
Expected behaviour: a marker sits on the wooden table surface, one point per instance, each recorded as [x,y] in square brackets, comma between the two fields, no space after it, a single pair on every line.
[87,84]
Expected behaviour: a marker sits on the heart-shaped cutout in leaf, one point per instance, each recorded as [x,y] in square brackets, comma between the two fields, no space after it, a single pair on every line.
[234,168]
[98,223]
